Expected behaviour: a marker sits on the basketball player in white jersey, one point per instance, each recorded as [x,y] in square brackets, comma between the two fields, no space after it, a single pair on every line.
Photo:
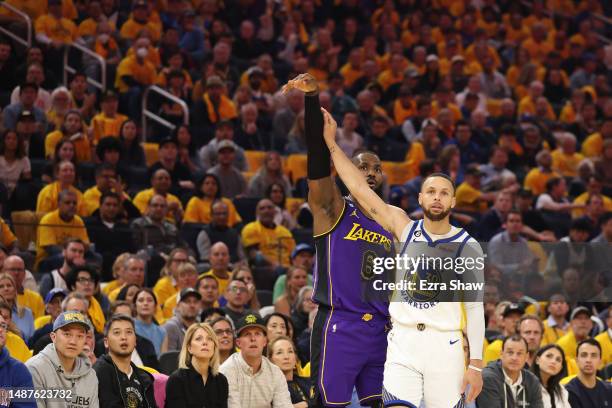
[425,360]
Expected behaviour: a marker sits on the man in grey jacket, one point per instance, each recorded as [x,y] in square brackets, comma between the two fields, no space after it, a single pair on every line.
[507,383]
[186,314]
[63,366]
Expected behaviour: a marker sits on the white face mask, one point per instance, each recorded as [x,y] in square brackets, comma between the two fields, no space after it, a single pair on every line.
[104,38]
[142,52]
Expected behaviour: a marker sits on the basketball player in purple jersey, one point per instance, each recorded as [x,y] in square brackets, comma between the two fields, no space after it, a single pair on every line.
[348,342]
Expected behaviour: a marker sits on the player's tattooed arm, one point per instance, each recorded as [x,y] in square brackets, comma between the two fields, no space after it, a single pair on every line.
[391,218]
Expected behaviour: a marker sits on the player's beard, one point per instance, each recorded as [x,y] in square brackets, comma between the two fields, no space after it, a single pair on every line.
[436,217]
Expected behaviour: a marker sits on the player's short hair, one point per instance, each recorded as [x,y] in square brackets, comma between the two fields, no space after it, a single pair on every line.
[444,176]
[515,337]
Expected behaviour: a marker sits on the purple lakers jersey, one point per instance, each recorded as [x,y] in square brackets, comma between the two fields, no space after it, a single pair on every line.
[344,270]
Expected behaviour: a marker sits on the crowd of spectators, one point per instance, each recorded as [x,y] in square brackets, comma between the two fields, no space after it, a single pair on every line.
[136,251]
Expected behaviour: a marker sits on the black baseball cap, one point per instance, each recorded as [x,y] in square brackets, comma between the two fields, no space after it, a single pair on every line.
[250,320]
[513,308]
[185,293]
[168,140]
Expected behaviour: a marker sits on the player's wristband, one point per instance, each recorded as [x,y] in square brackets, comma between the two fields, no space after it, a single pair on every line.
[475,368]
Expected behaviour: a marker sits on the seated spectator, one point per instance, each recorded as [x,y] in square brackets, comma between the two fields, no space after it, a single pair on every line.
[586,390]
[15,266]
[208,287]
[187,278]
[251,340]
[198,379]
[556,325]
[264,238]
[134,73]
[491,222]
[555,207]
[132,153]
[12,371]
[565,158]
[224,130]
[84,279]
[167,286]
[296,139]
[160,185]
[593,212]
[580,328]
[146,326]
[108,122]
[63,363]
[278,195]
[168,160]
[14,163]
[285,116]
[64,151]
[119,378]
[118,271]
[509,251]
[224,330]
[26,104]
[532,218]
[199,208]
[49,196]
[187,151]
[302,257]
[381,141]
[573,251]
[35,73]
[301,310]
[219,230]
[282,353]
[346,137]
[296,279]
[215,106]
[140,19]
[107,180]
[53,308]
[594,186]
[84,101]
[550,367]
[59,225]
[250,135]
[74,254]
[495,171]
[233,183]
[20,315]
[605,339]
[536,179]
[510,316]
[277,325]
[271,172]
[469,196]
[507,381]
[236,295]
[74,130]
[242,271]
[186,314]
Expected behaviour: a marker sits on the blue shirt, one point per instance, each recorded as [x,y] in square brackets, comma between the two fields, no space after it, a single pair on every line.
[152,332]
[25,322]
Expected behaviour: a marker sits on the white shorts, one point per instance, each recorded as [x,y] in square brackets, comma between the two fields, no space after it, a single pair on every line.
[423,365]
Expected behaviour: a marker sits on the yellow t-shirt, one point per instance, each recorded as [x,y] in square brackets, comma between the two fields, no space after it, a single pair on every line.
[552,334]
[535,181]
[223,282]
[537,51]
[144,73]
[6,235]
[96,314]
[275,244]
[386,78]
[527,106]
[17,347]
[32,300]
[493,351]
[131,28]
[82,148]
[52,230]
[582,199]
[566,164]
[47,199]
[468,199]
[111,286]
[568,343]
[62,30]
[164,289]
[593,145]
[606,347]
[141,201]
[104,126]
[198,210]
[91,198]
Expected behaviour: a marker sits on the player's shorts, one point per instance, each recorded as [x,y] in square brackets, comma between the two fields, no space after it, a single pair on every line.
[348,351]
[423,364]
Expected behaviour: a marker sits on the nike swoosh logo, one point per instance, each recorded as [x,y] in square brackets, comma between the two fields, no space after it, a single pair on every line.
[453,342]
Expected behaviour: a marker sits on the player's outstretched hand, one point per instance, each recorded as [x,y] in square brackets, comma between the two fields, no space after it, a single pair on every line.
[303,82]
[329,128]
[474,379]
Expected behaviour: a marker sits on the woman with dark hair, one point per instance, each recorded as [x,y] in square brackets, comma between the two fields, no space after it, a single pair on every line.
[450,163]
[243,272]
[187,149]
[550,367]
[132,154]
[73,129]
[145,303]
[277,325]
[128,293]
[555,88]
[14,163]
[84,279]
[225,333]
[296,279]
[276,193]
[199,208]
[64,151]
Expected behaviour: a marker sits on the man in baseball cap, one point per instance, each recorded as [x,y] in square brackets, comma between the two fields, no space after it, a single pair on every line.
[53,308]
[580,329]
[186,313]
[250,369]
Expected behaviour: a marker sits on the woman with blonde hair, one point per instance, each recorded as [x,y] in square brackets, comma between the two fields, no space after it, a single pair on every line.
[166,286]
[118,269]
[198,382]
[21,316]
[271,172]
[282,353]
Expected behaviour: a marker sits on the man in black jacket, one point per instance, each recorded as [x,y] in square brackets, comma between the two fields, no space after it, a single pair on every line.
[121,382]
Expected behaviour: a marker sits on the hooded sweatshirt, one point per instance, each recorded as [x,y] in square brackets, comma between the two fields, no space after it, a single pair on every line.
[47,372]
[14,374]
[497,393]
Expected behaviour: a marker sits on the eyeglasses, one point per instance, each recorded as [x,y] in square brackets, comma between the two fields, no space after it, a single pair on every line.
[236,289]
[221,332]
[85,280]
[3,326]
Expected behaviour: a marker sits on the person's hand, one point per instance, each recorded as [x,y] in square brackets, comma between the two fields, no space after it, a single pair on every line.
[303,82]
[188,184]
[329,128]
[474,379]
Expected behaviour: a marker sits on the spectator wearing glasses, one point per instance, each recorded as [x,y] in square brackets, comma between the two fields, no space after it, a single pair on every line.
[84,279]
[236,295]
[225,334]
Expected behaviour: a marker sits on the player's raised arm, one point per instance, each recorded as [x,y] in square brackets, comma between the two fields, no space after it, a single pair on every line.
[391,218]
[324,197]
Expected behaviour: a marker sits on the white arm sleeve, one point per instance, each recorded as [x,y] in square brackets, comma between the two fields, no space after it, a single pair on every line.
[474,314]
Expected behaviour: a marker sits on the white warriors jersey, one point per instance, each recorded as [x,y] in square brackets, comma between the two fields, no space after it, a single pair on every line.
[411,306]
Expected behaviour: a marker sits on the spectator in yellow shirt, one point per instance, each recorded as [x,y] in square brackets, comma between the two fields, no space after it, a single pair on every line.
[48,197]
[605,340]
[565,158]
[59,225]
[217,106]
[263,238]
[15,266]
[580,327]
[556,325]
[468,197]
[593,144]
[166,286]
[53,29]
[199,208]
[84,279]
[527,105]
[108,122]
[160,182]
[140,20]
[536,179]
[74,130]
[89,26]
[394,74]
[219,266]
[594,187]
